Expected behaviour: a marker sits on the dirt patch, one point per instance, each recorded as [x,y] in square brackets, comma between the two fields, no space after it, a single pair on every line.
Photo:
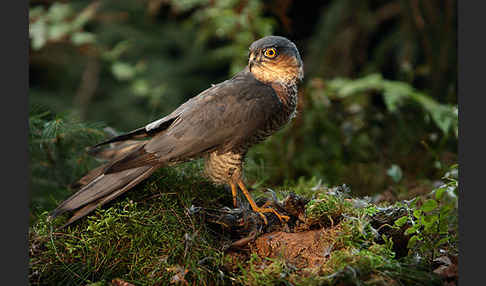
[307,249]
[304,245]
[303,249]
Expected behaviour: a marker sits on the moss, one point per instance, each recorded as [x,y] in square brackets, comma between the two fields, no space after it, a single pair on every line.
[137,238]
[373,266]
[151,236]
[263,271]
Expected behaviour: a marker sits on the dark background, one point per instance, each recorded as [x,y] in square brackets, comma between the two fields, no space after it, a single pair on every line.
[377,108]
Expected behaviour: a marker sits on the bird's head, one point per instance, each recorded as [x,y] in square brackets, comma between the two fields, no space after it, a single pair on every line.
[275,59]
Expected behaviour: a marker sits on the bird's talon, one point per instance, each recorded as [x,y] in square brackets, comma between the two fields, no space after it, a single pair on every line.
[264,218]
[256,208]
[282,218]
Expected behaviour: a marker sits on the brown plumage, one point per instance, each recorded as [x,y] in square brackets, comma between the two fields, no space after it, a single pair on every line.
[220,124]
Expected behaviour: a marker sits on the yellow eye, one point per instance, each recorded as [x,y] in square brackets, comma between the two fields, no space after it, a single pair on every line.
[270,53]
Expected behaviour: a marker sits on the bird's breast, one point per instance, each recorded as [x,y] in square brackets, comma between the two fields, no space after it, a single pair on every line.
[287,96]
[225,167]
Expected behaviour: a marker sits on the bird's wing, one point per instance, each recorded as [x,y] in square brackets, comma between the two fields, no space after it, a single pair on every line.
[220,118]
[158,125]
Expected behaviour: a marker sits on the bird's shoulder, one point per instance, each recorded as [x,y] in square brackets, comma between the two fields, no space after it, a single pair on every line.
[242,86]
[243,92]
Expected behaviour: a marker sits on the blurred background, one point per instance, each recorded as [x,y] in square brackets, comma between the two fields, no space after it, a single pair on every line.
[377,108]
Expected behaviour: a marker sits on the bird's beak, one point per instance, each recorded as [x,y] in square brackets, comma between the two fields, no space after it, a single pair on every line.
[251,60]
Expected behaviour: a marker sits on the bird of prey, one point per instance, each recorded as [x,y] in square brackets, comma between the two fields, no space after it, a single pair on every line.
[220,124]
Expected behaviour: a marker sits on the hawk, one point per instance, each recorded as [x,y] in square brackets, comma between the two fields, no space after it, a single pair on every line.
[220,124]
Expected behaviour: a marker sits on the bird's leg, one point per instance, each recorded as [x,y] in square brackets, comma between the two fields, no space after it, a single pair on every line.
[234,191]
[258,209]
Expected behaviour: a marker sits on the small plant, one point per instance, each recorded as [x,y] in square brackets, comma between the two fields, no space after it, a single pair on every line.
[395,95]
[57,154]
[433,221]
[330,207]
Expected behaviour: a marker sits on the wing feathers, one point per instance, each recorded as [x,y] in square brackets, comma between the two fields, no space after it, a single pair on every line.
[142,174]
[135,134]
[142,132]
[221,117]
[103,185]
[137,158]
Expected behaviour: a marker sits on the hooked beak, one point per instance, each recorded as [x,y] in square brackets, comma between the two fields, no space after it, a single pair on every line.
[251,60]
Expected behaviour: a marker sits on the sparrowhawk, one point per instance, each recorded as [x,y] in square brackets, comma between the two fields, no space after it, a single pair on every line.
[220,124]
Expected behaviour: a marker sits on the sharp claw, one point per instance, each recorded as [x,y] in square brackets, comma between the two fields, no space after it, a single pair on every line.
[264,218]
[254,206]
[282,218]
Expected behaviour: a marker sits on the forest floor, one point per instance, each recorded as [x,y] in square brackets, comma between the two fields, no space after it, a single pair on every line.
[177,228]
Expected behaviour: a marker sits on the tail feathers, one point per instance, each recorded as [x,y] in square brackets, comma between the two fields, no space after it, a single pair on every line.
[113,154]
[101,190]
[89,177]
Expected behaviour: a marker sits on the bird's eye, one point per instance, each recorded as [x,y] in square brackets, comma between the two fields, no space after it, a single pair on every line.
[270,53]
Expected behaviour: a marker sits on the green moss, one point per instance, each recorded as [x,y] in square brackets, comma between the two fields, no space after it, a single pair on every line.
[149,237]
[263,271]
[373,266]
[137,238]
[329,206]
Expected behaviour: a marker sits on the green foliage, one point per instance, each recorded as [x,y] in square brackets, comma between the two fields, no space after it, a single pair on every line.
[373,266]
[60,22]
[57,154]
[408,41]
[276,272]
[330,207]
[134,66]
[143,238]
[149,236]
[432,222]
[126,62]
[395,95]
[228,20]
[362,262]
[377,111]
[359,254]
[379,88]
[341,135]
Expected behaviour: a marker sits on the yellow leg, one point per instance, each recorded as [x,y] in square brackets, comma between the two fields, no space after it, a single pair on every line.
[234,191]
[257,208]
[266,204]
